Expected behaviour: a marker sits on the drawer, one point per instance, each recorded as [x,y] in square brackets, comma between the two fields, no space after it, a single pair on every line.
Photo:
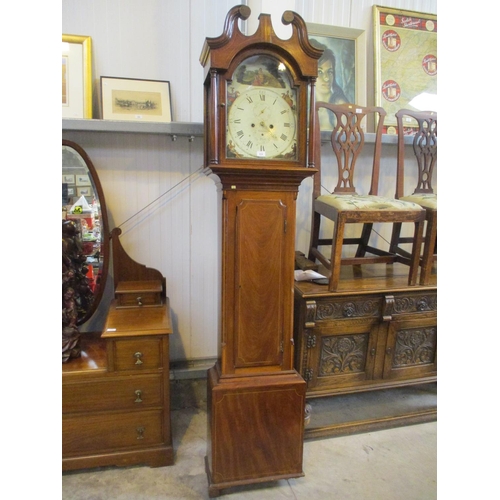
[138,299]
[110,393]
[137,354]
[414,303]
[347,308]
[138,293]
[111,431]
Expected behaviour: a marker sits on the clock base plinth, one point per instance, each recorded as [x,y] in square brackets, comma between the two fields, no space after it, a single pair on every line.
[255,429]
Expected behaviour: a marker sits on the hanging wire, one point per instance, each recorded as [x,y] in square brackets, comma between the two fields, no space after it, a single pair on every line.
[162,195]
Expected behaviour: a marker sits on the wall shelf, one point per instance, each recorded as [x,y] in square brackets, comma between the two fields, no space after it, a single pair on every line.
[186,129]
[174,128]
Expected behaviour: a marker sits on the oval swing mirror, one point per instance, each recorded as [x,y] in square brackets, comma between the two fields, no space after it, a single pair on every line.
[85,235]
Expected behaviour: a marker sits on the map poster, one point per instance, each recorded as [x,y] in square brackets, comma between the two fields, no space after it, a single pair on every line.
[405,59]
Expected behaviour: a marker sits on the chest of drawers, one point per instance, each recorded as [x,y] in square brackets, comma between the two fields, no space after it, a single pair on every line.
[115,398]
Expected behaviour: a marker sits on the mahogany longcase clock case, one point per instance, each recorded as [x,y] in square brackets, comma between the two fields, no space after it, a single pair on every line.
[257,95]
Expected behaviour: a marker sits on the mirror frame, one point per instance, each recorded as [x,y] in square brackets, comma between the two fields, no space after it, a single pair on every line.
[105,246]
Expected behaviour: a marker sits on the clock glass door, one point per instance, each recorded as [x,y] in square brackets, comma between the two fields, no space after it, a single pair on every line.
[261,106]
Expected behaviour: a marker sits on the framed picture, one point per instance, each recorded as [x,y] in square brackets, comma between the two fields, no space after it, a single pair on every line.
[405,60]
[84,191]
[82,180]
[68,179]
[341,68]
[135,100]
[76,76]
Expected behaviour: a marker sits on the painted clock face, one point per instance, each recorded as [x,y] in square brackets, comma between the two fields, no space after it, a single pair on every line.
[261,111]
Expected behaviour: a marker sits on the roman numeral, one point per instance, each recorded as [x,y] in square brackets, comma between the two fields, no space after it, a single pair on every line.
[286,124]
[240,133]
[249,99]
[249,144]
[262,97]
[262,148]
[237,121]
[283,137]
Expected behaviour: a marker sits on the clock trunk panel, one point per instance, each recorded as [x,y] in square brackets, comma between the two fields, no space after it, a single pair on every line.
[259,281]
[259,288]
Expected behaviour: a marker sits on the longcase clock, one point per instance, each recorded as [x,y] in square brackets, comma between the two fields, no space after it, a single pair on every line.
[257,91]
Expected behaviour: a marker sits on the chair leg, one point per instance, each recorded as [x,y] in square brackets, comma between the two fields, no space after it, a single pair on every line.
[396,232]
[415,253]
[336,256]
[365,238]
[429,247]
[315,223]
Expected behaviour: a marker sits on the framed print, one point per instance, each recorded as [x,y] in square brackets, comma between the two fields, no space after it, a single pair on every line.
[341,68]
[82,180]
[76,76]
[135,100]
[405,60]
[68,179]
[84,191]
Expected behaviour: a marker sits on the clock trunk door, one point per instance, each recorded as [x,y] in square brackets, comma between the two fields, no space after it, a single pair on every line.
[263,280]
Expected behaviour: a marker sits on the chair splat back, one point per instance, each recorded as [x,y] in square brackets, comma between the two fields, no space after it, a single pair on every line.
[347,140]
[424,147]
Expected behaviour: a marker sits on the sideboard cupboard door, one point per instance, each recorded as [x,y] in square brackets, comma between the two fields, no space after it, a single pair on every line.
[344,354]
[411,348]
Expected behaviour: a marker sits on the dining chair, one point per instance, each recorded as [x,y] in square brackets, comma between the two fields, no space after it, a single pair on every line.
[422,126]
[345,204]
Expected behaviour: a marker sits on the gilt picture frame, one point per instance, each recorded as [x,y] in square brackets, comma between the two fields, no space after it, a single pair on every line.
[405,59]
[76,76]
[348,46]
[130,99]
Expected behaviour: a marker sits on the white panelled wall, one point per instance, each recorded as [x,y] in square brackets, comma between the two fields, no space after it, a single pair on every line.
[176,229]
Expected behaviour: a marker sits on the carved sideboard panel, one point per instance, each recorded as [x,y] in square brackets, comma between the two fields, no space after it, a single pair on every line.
[346,342]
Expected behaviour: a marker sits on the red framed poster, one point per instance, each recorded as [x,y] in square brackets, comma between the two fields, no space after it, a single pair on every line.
[405,61]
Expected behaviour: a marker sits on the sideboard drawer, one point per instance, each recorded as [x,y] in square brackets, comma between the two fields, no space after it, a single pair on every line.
[110,431]
[127,393]
[138,354]
[346,308]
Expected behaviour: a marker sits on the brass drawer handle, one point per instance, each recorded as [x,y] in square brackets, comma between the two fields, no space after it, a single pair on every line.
[140,432]
[138,398]
[138,355]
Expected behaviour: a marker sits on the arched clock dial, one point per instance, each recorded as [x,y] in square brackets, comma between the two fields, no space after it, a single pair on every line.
[261,111]
[261,124]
